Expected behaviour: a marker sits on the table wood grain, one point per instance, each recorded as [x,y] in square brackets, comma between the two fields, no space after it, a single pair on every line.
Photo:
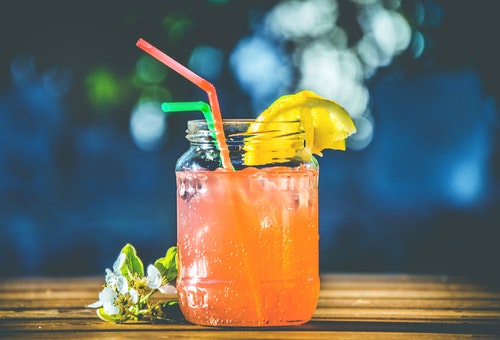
[350,307]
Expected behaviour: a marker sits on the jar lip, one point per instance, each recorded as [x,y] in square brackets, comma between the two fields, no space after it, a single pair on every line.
[241,127]
[243,121]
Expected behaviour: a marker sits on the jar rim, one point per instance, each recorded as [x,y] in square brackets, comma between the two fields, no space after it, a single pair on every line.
[243,120]
[240,127]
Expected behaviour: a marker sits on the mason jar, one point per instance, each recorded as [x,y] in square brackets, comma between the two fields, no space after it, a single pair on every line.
[247,236]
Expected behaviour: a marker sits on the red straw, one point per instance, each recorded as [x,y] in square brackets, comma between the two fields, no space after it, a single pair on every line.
[201,83]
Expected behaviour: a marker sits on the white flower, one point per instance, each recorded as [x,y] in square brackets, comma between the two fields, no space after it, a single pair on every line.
[114,279]
[107,299]
[153,280]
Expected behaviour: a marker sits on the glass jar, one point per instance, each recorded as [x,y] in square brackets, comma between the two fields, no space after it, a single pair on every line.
[248,236]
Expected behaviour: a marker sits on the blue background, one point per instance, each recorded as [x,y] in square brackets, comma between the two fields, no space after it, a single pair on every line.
[419,194]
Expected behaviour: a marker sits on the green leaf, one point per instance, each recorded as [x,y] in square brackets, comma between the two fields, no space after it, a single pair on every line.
[168,265]
[106,317]
[133,264]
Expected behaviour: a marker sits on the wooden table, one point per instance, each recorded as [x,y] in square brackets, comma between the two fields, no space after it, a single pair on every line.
[350,306]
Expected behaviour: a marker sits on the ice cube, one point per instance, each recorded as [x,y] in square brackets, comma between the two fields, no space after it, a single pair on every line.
[190,186]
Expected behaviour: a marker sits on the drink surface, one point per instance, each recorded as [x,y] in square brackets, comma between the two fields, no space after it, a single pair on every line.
[248,246]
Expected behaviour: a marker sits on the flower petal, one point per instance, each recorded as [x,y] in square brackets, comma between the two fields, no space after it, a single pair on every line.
[168,289]
[111,308]
[134,295]
[117,266]
[122,285]
[96,304]
[110,278]
[153,280]
[108,295]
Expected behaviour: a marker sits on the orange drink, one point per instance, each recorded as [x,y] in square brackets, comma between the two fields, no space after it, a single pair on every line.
[254,262]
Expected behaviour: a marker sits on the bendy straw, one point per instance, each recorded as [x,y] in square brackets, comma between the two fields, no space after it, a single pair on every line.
[190,106]
[193,106]
[201,83]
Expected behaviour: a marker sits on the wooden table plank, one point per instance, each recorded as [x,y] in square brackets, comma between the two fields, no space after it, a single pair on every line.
[352,306]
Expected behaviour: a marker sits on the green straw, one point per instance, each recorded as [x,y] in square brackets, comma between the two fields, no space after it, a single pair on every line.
[193,106]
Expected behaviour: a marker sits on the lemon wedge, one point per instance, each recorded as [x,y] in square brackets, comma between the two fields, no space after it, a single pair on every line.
[325,123]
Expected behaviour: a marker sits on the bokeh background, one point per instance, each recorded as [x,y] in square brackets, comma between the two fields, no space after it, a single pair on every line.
[87,158]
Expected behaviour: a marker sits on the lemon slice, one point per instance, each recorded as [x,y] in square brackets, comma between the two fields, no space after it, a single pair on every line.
[326,125]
